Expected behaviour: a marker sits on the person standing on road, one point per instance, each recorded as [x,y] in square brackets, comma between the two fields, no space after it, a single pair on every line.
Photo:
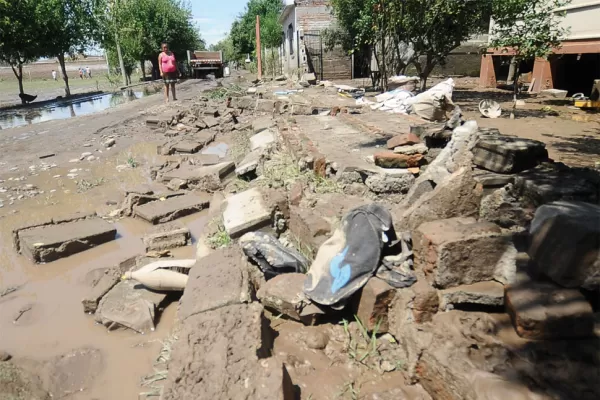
[54,74]
[89,72]
[80,73]
[168,70]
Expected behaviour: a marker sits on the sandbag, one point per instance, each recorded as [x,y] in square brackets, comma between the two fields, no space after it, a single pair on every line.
[272,257]
[346,261]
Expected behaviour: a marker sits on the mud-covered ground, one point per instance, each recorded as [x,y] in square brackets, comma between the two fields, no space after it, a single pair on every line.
[42,320]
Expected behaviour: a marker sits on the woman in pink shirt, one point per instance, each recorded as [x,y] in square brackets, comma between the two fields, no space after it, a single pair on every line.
[168,70]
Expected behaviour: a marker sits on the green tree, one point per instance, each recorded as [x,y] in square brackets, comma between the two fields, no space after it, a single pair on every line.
[527,28]
[226,46]
[428,29]
[141,25]
[243,30]
[18,36]
[67,27]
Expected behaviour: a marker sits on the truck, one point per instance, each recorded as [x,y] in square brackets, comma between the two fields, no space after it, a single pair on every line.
[206,62]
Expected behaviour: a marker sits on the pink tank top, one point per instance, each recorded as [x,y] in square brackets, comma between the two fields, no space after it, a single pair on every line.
[168,63]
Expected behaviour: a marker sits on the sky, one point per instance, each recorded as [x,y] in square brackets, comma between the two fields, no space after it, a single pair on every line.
[214,17]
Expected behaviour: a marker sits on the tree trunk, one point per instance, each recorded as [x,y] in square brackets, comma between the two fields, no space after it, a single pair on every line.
[516,84]
[424,74]
[61,61]
[142,63]
[511,71]
[19,74]
[155,70]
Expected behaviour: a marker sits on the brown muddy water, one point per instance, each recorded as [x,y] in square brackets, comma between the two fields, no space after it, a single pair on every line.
[54,322]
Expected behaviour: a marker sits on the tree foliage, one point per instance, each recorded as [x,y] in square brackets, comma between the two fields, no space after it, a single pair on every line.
[243,29]
[18,36]
[417,32]
[226,46]
[141,26]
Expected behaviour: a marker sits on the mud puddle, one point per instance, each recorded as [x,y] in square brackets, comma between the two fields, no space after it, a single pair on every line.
[64,109]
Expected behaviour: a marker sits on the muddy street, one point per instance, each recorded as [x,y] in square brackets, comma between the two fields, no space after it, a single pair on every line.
[279,239]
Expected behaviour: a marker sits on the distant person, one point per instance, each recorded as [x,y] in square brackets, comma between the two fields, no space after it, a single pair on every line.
[168,70]
[80,73]
[88,72]
[54,74]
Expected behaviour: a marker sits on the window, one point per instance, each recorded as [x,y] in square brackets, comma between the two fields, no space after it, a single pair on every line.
[291,38]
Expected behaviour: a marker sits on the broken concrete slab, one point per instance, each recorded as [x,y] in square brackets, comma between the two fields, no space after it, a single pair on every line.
[187,146]
[386,183]
[210,122]
[303,109]
[245,212]
[372,304]
[249,164]
[502,207]
[310,78]
[158,212]
[50,242]
[489,294]
[129,305]
[284,294]
[227,347]
[508,154]
[242,103]
[105,279]
[419,148]
[216,281]
[389,159]
[262,140]
[261,124]
[461,251]
[544,310]
[459,195]
[265,105]
[404,139]
[565,243]
[170,239]
[208,178]
[176,184]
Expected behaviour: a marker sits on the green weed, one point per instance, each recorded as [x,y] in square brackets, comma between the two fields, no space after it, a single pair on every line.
[85,185]
[220,238]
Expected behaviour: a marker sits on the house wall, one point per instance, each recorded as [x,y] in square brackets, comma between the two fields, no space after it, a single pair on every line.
[583,19]
[290,58]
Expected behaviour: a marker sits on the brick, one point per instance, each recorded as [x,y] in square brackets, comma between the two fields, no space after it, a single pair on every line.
[50,242]
[508,154]
[157,212]
[460,251]
[105,280]
[404,139]
[565,243]
[419,148]
[544,310]
[480,294]
[296,193]
[372,305]
[284,294]
[310,228]
[389,159]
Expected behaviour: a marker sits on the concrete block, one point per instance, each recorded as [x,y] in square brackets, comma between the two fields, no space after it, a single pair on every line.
[210,122]
[103,281]
[544,310]
[385,183]
[284,294]
[245,212]
[265,105]
[243,103]
[261,124]
[554,93]
[303,109]
[50,242]
[187,146]
[461,251]
[311,229]
[508,154]
[208,178]
[262,140]
[419,148]
[158,212]
[565,243]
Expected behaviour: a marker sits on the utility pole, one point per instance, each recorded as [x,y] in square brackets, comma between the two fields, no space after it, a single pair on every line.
[258,50]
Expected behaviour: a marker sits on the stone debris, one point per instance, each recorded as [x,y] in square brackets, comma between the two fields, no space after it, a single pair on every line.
[110,143]
[488,293]
[284,295]
[129,305]
[544,310]
[242,103]
[208,178]
[565,243]
[462,251]
[387,183]
[419,148]
[102,280]
[158,212]
[508,154]
[261,124]
[405,139]
[372,305]
[249,164]
[262,140]
[246,211]
[390,159]
[56,240]
[167,240]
